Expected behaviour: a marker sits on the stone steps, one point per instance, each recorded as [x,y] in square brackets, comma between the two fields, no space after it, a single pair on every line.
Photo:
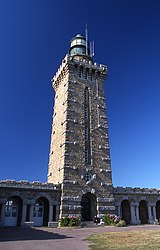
[53,224]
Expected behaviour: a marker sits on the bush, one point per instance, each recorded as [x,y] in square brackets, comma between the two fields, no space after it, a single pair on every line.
[70,221]
[121,223]
[64,222]
[111,219]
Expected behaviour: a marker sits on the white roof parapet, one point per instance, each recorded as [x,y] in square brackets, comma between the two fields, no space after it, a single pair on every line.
[27,184]
[136,190]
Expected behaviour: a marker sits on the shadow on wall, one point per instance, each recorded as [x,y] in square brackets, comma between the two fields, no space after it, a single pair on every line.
[23,234]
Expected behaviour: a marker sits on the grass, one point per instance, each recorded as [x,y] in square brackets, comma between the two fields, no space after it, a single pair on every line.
[132,240]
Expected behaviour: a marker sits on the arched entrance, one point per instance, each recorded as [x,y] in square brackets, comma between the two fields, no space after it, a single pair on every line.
[158,210]
[13,212]
[143,212]
[88,204]
[126,211]
[41,212]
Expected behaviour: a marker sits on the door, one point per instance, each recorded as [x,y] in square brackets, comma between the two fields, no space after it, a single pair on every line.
[11,213]
[38,213]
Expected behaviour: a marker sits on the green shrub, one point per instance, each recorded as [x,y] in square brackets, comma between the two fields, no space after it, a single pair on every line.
[111,219]
[64,222]
[70,221]
[121,223]
[74,221]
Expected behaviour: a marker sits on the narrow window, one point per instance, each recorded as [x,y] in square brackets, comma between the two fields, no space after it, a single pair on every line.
[86,113]
[86,156]
[86,94]
[86,74]
[87,126]
[86,133]
[80,73]
[91,76]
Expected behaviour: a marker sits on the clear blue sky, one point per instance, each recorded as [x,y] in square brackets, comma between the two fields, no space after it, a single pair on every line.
[34,38]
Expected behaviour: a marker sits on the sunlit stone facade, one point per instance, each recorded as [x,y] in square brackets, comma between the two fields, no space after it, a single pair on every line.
[79,151]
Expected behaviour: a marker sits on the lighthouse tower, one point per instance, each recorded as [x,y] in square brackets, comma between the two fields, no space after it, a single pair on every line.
[79,151]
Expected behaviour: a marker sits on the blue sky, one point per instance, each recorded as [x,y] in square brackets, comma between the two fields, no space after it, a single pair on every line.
[34,38]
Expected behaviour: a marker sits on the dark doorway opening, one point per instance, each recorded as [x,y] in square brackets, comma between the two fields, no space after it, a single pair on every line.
[88,204]
[158,210]
[126,211]
[143,212]
[54,212]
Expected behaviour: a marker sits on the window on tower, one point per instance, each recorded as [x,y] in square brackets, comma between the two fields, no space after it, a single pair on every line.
[86,133]
[80,72]
[86,94]
[86,155]
[86,113]
[88,177]
[91,76]
[87,126]
[86,74]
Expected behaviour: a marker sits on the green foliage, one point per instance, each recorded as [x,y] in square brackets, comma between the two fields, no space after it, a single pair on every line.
[111,219]
[64,222]
[74,221]
[70,221]
[121,223]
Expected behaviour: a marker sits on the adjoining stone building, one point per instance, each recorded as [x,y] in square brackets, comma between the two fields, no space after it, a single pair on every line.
[79,171]
[28,203]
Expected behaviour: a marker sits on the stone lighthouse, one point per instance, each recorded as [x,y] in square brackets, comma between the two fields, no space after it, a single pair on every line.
[79,151]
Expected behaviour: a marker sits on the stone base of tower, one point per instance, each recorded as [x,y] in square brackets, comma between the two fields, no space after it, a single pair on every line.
[70,206]
[86,206]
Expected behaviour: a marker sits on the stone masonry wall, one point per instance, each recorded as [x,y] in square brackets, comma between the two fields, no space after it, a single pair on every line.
[67,157]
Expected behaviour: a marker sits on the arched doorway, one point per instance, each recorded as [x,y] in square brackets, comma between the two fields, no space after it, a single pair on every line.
[88,205]
[13,212]
[126,211]
[158,210]
[41,212]
[143,212]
